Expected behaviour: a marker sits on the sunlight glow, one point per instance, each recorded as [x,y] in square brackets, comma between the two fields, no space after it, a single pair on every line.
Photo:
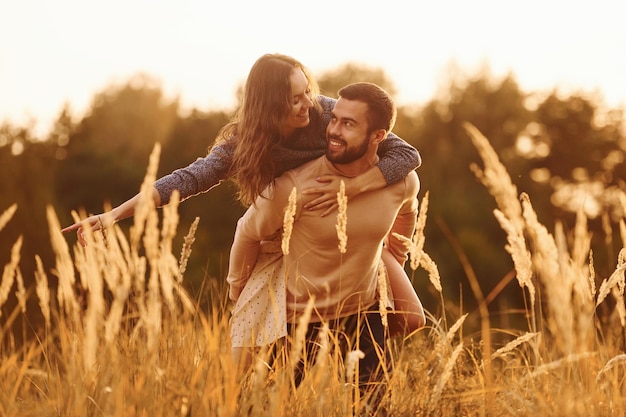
[70,49]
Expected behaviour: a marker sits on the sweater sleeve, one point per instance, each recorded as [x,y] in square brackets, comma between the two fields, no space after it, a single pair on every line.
[198,177]
[397,158]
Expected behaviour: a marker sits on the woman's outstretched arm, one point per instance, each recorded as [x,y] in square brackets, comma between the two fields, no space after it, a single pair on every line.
[200,176]
[98,221]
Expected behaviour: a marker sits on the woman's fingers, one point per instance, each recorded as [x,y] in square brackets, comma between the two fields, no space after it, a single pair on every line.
[81,237]
[329,210]
[71,228]
[327,198]
[94,223]
[319,202]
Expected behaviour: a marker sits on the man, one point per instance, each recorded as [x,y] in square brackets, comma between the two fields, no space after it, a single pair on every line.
[343,286]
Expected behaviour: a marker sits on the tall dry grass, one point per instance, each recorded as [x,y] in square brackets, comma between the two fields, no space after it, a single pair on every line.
[121,336]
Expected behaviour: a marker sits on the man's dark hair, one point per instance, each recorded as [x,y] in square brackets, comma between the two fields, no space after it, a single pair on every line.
[381,108]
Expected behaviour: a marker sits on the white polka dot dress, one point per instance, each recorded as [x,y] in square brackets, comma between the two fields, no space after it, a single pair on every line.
[259,316]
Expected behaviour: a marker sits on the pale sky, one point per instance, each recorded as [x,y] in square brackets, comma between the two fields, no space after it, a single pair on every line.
[58,51]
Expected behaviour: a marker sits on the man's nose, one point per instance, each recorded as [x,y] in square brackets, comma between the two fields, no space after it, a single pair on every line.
[332,128]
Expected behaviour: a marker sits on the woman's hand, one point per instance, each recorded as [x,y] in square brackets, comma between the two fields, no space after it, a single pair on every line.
[104,220]
[327,199]
[94,223]
[372,179]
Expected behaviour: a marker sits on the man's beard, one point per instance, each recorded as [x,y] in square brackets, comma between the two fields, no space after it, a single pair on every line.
[349,154]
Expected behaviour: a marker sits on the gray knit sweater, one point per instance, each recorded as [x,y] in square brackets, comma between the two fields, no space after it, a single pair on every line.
[397,158]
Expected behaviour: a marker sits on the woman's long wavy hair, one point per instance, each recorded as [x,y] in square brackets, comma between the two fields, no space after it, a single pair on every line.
[257,124]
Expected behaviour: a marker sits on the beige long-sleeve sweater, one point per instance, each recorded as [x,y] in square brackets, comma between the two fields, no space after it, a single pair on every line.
[342,284]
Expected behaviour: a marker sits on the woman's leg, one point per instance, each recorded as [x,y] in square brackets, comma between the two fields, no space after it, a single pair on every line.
[408,314]
[242,357]
[259,315]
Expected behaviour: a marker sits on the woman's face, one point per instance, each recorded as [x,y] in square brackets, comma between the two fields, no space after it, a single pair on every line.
[301,103]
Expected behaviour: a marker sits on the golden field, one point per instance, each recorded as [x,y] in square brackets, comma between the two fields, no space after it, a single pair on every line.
[122,337]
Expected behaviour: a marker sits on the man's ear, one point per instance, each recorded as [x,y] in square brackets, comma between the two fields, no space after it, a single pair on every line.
[378,136]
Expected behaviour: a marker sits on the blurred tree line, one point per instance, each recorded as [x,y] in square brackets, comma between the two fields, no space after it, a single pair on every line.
[564,151]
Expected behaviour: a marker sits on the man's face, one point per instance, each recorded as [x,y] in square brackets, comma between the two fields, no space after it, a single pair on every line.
[347,133]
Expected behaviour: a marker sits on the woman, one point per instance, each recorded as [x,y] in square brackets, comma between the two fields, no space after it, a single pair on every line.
[280,124]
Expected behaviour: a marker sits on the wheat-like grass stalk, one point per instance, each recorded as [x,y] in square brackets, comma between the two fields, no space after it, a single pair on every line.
[610,364]
[152,318]
[617,289]
[342,217]
[114,318]
[496,178]
[416,250]
[445,376]
[42,290]
[616,280]
[258,383]
[300,335]
[146,226]
[519,253]
[559,363]
[615,285]
[139,268]
[425,261]
[455,327]
[559,286]
[383,293]
[20,293]
[351,362]
[93,319]
[579,265]
[288,220]
[146,203]
[618,293]
[323,369]
[64,267]
[168,265]
[7,215]
[444,341]
[9,272]
[431,268]
[186,250]
[592,276]
[415,247]
[320,370]
[508,348]
[582,239]
[120,272]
